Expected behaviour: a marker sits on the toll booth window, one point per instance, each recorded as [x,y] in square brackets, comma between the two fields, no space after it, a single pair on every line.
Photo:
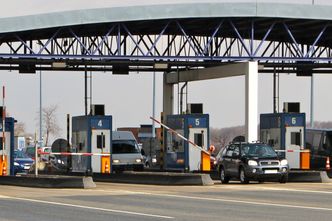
[296,138]
[176,144]
[1,143]
[199,140]
[100,141]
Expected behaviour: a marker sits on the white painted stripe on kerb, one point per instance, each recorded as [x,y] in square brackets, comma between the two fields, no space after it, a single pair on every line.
[87,207]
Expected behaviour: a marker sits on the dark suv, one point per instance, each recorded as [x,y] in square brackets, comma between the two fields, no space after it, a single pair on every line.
[251,161]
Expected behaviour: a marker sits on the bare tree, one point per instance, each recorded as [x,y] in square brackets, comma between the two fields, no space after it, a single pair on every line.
[19,129]
[50,122]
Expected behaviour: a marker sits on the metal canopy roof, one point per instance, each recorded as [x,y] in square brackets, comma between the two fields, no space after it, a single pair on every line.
[196,32]
[150,13]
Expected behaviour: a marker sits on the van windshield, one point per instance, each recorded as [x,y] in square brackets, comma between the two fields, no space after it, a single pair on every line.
[125,146]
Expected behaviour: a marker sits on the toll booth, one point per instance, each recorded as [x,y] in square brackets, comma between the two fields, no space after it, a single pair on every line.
[286,133]
[91,134]
[180,154]
[6,154]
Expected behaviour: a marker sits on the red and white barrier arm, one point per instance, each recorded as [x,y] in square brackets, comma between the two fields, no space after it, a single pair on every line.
[74,154]
[179,135]
[293,151]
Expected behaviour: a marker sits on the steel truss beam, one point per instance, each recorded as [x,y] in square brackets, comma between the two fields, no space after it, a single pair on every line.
[277,44]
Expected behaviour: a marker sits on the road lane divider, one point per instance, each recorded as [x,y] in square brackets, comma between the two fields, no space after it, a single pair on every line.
[86,207]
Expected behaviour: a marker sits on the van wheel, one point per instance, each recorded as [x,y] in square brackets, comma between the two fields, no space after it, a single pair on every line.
[243,177]
[223,178]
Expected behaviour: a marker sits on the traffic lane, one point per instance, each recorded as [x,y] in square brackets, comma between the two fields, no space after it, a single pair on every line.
[180,207]
[185,203]
[299,193]
[275,194]
[306,187]
[26,209]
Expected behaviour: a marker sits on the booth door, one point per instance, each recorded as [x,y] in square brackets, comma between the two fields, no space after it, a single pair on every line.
[100,143]
[199,137]
[293,142]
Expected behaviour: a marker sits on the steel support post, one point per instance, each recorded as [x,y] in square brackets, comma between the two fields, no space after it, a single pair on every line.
[251,103]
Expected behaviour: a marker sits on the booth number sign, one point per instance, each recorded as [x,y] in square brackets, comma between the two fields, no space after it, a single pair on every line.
[293,120]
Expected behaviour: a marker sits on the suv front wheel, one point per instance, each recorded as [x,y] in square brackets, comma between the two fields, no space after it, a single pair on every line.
[223,178]
[283,179]
[243,177]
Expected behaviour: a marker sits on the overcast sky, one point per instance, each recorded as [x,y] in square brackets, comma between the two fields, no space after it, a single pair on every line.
[129,98]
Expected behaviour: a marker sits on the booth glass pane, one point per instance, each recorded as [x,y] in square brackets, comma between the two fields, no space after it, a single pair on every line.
[296,138]
[100,141]
[198,139]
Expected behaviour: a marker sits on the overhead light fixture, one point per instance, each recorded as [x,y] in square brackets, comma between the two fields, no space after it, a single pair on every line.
[160,66]
[59,64]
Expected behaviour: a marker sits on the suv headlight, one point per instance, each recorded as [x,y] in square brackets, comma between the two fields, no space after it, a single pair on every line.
[16,164]
[116,161]
[138,160]
[252,163]
[283,162]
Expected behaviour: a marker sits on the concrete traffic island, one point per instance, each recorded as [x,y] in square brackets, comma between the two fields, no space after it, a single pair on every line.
[48,181]
[156,178]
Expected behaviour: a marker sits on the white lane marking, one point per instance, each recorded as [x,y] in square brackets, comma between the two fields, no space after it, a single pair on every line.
[232,201]
[273,189]
[87,207]
[297,190]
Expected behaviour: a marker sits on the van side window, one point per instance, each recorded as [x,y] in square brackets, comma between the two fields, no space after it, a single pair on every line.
[316,141]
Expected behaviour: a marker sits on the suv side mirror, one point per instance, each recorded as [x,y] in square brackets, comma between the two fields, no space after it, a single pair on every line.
[143,152]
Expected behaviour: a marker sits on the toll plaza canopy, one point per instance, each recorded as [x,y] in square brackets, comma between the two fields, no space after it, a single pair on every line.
[137,36]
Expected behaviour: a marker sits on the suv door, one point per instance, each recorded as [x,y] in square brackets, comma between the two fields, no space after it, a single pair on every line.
[235,161]
[227,158]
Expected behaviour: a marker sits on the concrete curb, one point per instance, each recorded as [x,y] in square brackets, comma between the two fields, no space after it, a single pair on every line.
[309,176]
[156,178]
[52,181]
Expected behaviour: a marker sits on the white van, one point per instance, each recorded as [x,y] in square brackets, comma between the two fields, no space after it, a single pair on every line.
[126,154]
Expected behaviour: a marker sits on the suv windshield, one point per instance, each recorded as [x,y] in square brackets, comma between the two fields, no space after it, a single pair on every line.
[125,146]
[257,150]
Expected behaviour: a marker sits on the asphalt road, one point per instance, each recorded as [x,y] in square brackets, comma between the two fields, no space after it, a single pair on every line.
[268,201]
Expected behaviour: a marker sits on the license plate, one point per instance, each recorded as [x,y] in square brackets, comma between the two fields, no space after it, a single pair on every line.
[26,167]
[270,171]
